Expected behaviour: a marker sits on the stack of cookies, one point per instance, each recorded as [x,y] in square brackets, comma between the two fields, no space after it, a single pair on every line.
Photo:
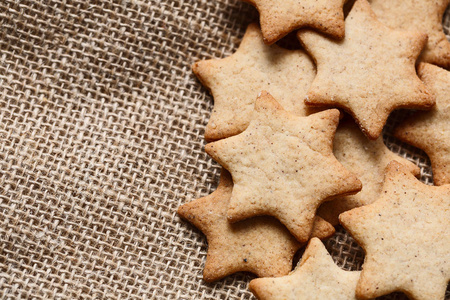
[295,166]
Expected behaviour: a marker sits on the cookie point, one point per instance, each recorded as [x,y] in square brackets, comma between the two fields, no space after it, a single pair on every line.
[372,131]
[344,218]
[254,286]
[335,113]
[207,277]
[267,41]
[181,211]
[395,166]
[266,101]
[185,212]
[357,183]
[423,68]
[209,148]
[196,66]
[315,241]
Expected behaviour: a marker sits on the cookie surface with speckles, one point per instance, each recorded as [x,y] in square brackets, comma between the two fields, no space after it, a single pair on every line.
[370,73]
[279,17]
[236,81]
[316,277]
[406,237]
[283,166]
[365,158]
[430,130]
[422,15]
[259,245]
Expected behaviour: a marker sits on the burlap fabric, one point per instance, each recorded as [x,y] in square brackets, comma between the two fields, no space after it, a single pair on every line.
[101,139]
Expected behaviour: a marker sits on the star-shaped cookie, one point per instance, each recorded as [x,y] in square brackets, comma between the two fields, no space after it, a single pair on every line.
[422,15]
[430,131]
[369,73]
[236,81]
[406,237]
[259,245]
[283,165]
[279,17]
[367,160]
[316,277]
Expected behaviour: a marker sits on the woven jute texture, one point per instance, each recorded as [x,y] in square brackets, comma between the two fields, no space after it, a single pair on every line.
[101,139]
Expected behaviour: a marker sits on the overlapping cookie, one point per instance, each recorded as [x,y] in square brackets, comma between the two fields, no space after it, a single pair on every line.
[282,162]
[283,166]
[236,81]
[422,15]
[430,131]
[316,277]
[406,237]
[279,17]
[367,160]
[369,73]
[259,245]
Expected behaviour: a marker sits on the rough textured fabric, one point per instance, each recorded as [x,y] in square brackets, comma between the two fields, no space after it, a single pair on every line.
[101,139]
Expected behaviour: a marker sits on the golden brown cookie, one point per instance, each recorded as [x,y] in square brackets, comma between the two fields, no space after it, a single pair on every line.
[259,245]
[430,131]
[236,81]
[366,159]
[279,17]
[406,237]
[370,73]
[422,15]
[316,277]
[283,166]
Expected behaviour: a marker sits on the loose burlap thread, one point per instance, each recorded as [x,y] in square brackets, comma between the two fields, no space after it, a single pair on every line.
[101,139]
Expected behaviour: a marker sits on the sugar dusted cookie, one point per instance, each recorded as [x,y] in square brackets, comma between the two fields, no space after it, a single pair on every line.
[236,81]
[406,237]
[430,131]
[279,17]
[316,278]
[282,165]
[259,245]
[422,15]
[367,160]
[369,73]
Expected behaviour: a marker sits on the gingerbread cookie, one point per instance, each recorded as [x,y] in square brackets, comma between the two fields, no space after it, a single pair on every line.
[370,73]
[422,15]
[282,165]
[430,131]
[316,278]
[406,237]
[367,160]
[279,17]
[259,245]
[236,81]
